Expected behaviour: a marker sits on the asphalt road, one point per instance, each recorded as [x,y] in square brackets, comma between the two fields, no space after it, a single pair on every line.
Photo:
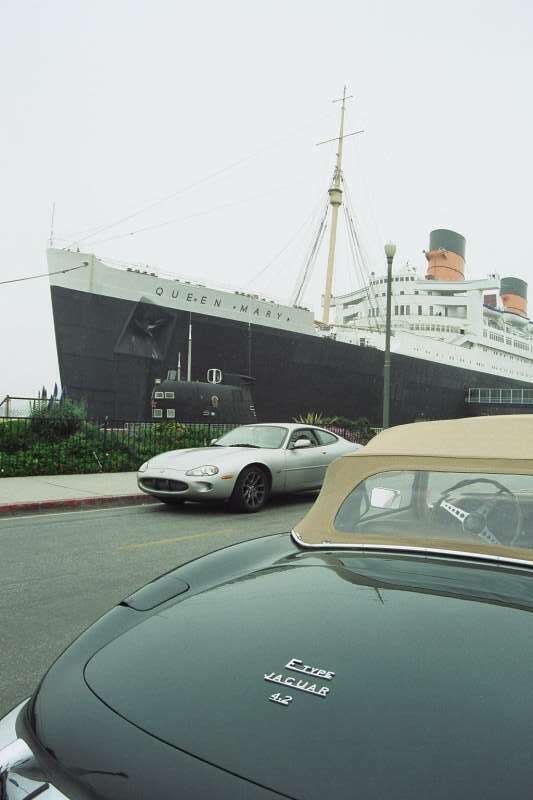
[60,572]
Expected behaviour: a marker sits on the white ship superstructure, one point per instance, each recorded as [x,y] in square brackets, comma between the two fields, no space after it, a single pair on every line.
[467,324]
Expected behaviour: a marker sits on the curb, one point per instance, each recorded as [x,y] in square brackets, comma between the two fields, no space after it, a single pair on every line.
[73,504]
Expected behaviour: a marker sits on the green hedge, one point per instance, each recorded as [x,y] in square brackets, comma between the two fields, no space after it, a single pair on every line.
[27,448]
[55,443]
[56,422]
[360,428]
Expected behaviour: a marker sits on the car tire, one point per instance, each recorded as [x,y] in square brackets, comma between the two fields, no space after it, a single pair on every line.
[251,491]
[172,501]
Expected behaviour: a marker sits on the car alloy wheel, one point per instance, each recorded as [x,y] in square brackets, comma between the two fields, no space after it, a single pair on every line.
[251,490]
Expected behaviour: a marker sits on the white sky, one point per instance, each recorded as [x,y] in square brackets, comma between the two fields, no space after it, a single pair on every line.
[110,105]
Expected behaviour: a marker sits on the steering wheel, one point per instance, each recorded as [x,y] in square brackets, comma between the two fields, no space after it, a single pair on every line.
[475,520]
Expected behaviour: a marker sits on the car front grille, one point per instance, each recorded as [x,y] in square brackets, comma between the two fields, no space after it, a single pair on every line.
[164,485]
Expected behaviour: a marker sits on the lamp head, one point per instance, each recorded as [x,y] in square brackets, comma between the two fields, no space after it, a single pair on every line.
[390,250]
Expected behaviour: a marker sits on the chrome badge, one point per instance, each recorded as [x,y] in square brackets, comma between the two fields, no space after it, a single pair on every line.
[309,685]
[316,672]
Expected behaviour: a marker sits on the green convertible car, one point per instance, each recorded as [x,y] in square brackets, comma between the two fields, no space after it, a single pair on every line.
[381,649]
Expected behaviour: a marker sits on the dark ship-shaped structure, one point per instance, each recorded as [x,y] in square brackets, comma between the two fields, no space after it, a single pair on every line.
[222,398]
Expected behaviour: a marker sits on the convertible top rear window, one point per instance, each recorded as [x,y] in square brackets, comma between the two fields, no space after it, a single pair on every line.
[488,508]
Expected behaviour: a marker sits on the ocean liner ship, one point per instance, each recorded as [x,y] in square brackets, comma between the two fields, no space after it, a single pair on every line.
[119,329]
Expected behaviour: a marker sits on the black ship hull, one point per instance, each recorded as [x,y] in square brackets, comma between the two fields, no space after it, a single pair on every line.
[110,352]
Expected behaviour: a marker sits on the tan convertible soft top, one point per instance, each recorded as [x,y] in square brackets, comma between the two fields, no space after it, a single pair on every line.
[497,444]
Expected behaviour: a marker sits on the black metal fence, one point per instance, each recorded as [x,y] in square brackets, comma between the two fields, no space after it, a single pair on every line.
[62,446]
[32,446]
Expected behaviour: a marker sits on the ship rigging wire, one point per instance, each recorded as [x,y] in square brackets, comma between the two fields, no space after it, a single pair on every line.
[358,257]
[45,274]
[307,270]
[95,231]
[284,248]
[360,261]
[373,323]
[74,239]
[360,269]
[204,213]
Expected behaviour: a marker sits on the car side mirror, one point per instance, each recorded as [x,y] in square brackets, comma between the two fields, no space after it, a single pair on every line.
[385,498]
[299,444]
[213,441]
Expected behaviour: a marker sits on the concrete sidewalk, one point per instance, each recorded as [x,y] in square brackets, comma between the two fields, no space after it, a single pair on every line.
[46,493]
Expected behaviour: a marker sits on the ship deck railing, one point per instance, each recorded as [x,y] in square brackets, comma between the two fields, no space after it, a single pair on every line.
[514,397]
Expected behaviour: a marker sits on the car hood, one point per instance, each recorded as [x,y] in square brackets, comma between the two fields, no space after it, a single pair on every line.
[196,457]
[429,689]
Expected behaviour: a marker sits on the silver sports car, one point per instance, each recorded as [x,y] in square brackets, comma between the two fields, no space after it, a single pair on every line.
[245,465]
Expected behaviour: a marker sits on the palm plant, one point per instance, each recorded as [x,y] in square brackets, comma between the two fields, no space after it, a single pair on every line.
[315,418]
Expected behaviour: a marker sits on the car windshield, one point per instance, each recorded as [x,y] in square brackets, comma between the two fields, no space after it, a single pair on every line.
[488,508]
[269,436]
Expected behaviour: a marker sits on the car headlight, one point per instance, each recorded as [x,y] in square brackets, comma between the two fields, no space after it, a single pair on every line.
[143,467]
[199,472]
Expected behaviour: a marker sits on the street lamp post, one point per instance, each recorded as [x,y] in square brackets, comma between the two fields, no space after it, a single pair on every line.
[390,250]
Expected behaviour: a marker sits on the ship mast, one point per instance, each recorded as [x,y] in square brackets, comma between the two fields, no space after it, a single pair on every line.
[335,199]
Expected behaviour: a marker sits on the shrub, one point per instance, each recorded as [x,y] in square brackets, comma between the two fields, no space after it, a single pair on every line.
[42,446]
[359,428]
[14,434]
[57,421]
